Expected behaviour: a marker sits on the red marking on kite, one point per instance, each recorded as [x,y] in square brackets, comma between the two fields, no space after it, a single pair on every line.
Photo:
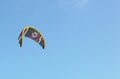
[31,36]
[37,40]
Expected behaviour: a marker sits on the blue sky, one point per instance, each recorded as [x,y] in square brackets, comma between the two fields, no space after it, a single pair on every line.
[82,39]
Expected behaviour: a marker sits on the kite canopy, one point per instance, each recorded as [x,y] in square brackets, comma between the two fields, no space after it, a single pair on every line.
[32,33]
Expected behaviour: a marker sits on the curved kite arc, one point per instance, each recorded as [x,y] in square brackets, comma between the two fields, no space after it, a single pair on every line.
[32,33]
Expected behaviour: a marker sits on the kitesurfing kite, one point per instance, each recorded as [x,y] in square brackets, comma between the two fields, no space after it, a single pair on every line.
[32,33]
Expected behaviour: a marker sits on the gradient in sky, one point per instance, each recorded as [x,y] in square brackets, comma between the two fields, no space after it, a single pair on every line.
[82,39]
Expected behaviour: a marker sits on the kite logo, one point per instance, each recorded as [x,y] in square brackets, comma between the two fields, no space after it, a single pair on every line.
[34,35]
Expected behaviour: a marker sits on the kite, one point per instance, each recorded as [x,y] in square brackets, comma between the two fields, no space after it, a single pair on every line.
[32,33]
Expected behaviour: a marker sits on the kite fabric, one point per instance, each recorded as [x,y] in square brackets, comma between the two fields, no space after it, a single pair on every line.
[32,33]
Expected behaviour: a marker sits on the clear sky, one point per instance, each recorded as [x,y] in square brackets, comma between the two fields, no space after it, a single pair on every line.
[82,39]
